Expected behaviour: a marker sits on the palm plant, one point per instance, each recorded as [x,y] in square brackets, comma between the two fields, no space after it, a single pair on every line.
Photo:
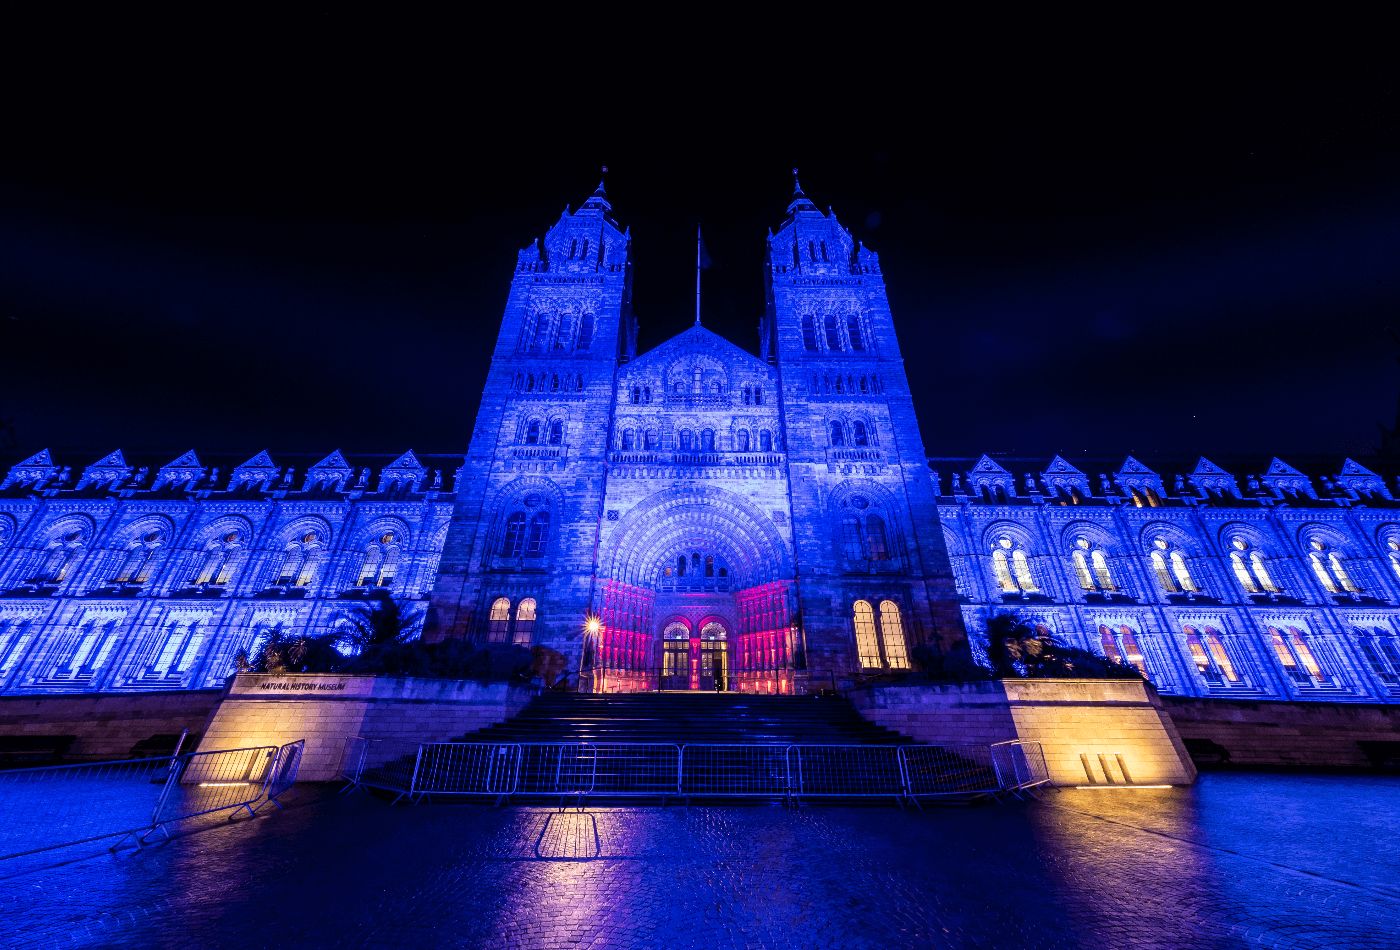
[379,623]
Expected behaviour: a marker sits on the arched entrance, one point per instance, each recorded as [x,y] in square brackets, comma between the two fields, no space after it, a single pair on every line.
[696,588]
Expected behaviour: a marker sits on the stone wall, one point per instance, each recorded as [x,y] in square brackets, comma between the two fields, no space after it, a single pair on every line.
[1267,734]
[108,726]
[1093,732]
[325,708]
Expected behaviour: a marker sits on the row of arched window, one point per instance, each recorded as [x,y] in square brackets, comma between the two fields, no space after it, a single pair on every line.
[863,385]
[833,333]
[688,440]
[698,569]
[1012,571]
[851,432]
[505,626]
[547,332]
[542,382]
[753,395]
[536,431]
[880,636]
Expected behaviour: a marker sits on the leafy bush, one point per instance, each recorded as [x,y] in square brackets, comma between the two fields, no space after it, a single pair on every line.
[1016,649]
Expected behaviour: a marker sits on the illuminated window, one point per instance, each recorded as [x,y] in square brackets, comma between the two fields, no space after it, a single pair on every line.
[1242,573]
[1110,645]
[833,333]
[1121,646]
[1208,654]
[1251,568]
[1165,580]
[1021,568]
[1323,574]
[857,340]
[1003,573]
[524,621]
[1183,575]
[1081,568]
[892,635]
[1377,646]
[1296,657]
[301,560]
[809,333]
[380,562]
[498,627]
[866,644]
[1261,571]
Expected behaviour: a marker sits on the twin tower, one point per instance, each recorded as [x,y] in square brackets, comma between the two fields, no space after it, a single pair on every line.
[697,517]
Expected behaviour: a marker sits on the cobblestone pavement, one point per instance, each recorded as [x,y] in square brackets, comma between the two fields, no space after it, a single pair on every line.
[1240,860]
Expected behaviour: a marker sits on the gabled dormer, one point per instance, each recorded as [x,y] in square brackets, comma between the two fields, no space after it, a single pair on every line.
[258,472]
[1286,482]
[1065,481]
[1142,485]
[33,473]
[406,473]
[331,473]
[990,481]
[1357,478]
[108,471]
[184,473]
[1210,480]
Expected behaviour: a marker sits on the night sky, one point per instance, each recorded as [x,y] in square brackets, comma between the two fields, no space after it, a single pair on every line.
[310,248]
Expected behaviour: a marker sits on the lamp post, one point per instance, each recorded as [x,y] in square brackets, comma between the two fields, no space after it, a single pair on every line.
[592,630]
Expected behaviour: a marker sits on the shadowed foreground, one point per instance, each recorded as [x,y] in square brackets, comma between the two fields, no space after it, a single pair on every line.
[1239,860]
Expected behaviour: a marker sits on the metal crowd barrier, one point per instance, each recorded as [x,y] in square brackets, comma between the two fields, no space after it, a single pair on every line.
[661,770]
[51,807]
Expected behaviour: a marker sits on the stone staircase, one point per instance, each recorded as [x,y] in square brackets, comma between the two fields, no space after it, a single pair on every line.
[681,718]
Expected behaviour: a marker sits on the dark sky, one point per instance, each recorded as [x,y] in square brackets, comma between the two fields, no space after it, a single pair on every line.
[305,246]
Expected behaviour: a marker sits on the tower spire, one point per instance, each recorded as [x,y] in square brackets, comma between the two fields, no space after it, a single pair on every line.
[698,264]
[800,201]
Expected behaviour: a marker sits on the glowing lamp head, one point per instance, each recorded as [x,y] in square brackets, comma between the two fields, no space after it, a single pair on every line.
[592,624]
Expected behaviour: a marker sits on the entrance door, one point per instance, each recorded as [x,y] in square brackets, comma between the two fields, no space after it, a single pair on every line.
[714,657]
[675,657]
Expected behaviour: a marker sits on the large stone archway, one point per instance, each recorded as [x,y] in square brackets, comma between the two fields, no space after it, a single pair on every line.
[709,560]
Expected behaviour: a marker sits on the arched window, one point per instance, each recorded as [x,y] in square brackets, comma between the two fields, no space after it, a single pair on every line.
[707,440]
[1323,574]
[636,395]
[524,622]
[650,439]
[809,333]
[838,434]
[1021,568]
[513,542]
[539,535]
[681,563]
[532,432]
[1081,568]
[1209,655]
[748,395]
[585,332]
[861,435]
[1110,644]
[866,644]
[1377,646]
[1101,572]
[687,440]
[221,557]
[765,441]
[877,543]
[1131,651]
[556,432]
[1002,571]
[1261,571]
[1091,566]
[1012,568]
[381,562]
[758,395]
[540,342]
[1251,569]
[301,560]
[856,338]
[1165,580]
[1393,548]
[1296,657]
[498,627]
[1183,575]
[892,635]
[628,440]
[743,440]
[1242,573]
[833,333]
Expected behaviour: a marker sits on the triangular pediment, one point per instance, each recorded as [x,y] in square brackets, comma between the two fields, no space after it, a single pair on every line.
[40,459]
[1058,466]
[188,460]
[408,462]
[1352,468]
[113,459]
[1206,467]
[1132,466]
[260,462]
[1279,467]
[985,466]
[335,462]
[699,340]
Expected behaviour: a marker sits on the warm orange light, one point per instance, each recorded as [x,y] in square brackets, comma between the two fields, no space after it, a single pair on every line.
[1122,787]
[592,624]
[222,784]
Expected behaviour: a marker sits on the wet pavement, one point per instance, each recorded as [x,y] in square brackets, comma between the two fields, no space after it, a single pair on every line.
[1237,861]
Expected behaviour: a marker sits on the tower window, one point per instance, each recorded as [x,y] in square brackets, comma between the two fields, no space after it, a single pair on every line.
[556,432]
[765,441]
[838,434]
[833,333]
[585,332]
[862,436]
[809,333]
[857,340]
[743,440]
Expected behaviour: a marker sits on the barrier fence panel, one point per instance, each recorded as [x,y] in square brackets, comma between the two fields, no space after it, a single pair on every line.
[735,770]
[59,806]
[847,771]
[380,763]
[284,772]
[202,783]
[467,768]
[650,769]
[948,770]
[1019,764]
[562,768]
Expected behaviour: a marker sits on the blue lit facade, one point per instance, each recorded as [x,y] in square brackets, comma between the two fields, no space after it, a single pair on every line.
[766,522]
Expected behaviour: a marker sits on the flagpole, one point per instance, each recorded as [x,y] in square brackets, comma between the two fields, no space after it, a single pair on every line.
[697,275]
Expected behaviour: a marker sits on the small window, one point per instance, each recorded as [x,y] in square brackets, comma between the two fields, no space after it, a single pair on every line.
[838,434]
[765,441]
[862,436]
[499,624]
[532,432]
[833,333]
[743,440]
[524,622]
[809,333]
[556,432]
[585,332]
[857,340]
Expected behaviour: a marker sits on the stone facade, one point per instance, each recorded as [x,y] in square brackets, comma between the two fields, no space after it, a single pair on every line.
[758,521]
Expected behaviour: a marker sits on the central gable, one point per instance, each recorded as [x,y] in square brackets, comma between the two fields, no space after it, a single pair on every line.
[698,350]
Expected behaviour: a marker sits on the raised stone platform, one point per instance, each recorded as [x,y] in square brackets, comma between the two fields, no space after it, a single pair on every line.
[1094,732]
